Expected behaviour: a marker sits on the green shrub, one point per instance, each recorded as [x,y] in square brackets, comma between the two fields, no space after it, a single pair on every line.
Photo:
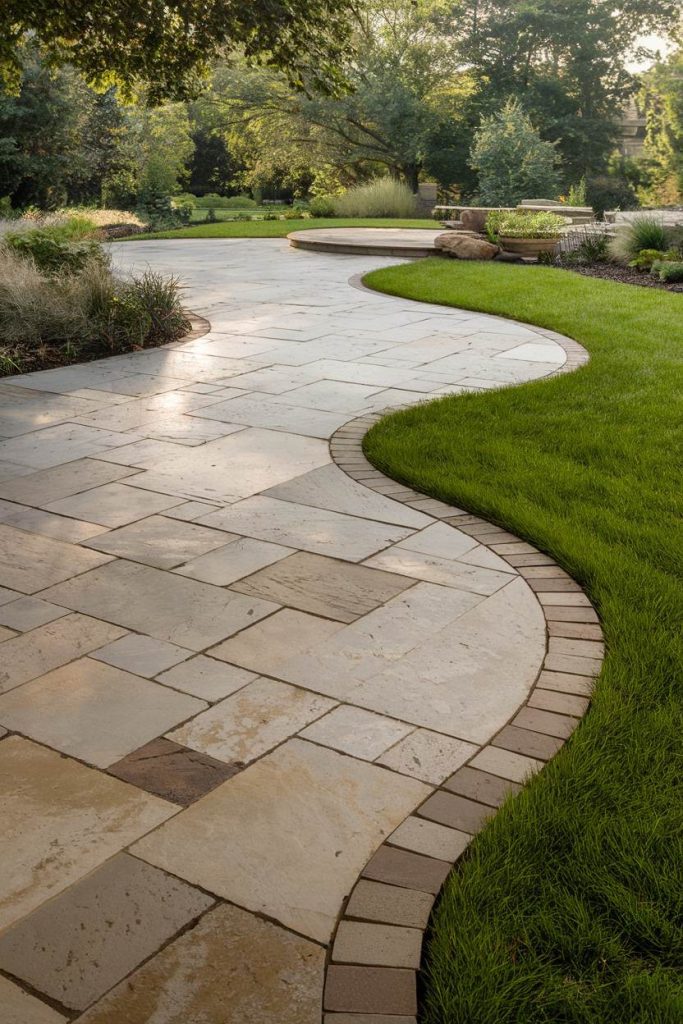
[322,206]
[520,224]
[668,271]
[610,192]
[213,201]
[589,246]
[211,217]
[53,254]
[643,232]
[577,194]
[645,259]
[512,160]
[383,197]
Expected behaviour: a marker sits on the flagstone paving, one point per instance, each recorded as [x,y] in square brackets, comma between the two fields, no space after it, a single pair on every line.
[230,670]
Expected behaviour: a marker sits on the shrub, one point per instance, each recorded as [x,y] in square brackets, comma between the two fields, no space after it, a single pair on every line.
[519,224]
[584,246]
[512,160]
[577,195]
[645,259]
[214,201]
[383,197]
[610,192]
[52,253]
[211,217]
[668,271]
[643,232]
[50,319]
[322,206]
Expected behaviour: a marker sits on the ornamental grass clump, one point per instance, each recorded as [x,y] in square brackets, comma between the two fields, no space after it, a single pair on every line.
[52,317]
[383,197]
[645,232]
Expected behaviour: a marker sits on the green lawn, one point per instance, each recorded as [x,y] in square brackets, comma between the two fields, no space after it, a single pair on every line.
[280,228]
[567,908]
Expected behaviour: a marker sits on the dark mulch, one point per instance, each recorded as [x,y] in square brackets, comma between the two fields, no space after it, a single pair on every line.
[625,275]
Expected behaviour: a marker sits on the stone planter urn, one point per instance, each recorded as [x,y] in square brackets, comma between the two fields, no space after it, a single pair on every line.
[531,247]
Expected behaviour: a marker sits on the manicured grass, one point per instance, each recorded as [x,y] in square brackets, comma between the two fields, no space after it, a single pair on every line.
[565,909]
[280,228]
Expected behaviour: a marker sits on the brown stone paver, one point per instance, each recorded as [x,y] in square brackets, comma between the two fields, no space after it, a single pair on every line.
[172,772]
[203,524]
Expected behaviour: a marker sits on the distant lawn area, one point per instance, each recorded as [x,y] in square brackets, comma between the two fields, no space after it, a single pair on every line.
[567,907]
[281,228]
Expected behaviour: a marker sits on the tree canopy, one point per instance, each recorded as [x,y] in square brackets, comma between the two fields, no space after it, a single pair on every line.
[164,47]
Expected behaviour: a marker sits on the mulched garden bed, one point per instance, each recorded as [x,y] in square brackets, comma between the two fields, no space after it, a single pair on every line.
[625,275]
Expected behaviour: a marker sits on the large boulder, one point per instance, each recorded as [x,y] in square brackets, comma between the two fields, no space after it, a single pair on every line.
[465,247]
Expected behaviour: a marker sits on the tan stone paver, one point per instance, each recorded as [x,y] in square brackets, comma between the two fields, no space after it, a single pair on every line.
[197,525]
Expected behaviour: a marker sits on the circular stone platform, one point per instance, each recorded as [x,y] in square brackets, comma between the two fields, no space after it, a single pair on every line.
[409,242]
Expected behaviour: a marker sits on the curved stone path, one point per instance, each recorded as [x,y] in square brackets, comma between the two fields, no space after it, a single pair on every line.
[237,659]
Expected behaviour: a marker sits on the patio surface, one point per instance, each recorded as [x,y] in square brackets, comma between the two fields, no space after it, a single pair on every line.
[229,670]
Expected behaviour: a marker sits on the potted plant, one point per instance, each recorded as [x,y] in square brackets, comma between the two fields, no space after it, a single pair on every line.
[526,233]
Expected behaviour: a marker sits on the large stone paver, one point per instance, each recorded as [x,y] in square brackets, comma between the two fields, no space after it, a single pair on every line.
[269,664]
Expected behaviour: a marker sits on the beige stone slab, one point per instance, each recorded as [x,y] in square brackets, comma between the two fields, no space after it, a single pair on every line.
[141,655]
[429,756]
[435,569]
[430,838]
[206,678]
[329,487]
[61,481]
[494,651]
[164,543]
[300,526]
[239,558]
[326,586]
[29,562]
[267,645]
[94,711]
[562,703]
[308,816]
[73,531]
[506,764]
[387,945]
[190,510]
[112,505]
[52,645]
[28,613]
[251,722]
[88,938]
[378,640]
[232,968]
[236,466]
[160,604]
[357,732]
[441,541]
[19,1007]
[60,821]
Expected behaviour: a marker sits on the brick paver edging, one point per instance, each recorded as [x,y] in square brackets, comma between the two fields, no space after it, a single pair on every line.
[372,970]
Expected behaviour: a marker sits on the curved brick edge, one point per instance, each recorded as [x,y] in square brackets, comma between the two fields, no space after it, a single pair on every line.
[372,969]
[200,327]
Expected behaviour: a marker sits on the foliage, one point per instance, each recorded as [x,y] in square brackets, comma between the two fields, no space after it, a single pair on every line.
[567,907]
[401,113]
[54,254]
[511,159]
[383,197]
[565,61]
[668,271]
[610,192]
[54,318]
[165,48]
[645,258]
[578,194]
[585,246]
[662,97]
[642,232]
[216,202]
[323,206]
[523,224]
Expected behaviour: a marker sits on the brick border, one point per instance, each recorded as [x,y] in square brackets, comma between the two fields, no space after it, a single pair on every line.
[371,976]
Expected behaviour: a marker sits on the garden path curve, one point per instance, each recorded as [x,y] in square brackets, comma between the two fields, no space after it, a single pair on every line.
[236,658]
